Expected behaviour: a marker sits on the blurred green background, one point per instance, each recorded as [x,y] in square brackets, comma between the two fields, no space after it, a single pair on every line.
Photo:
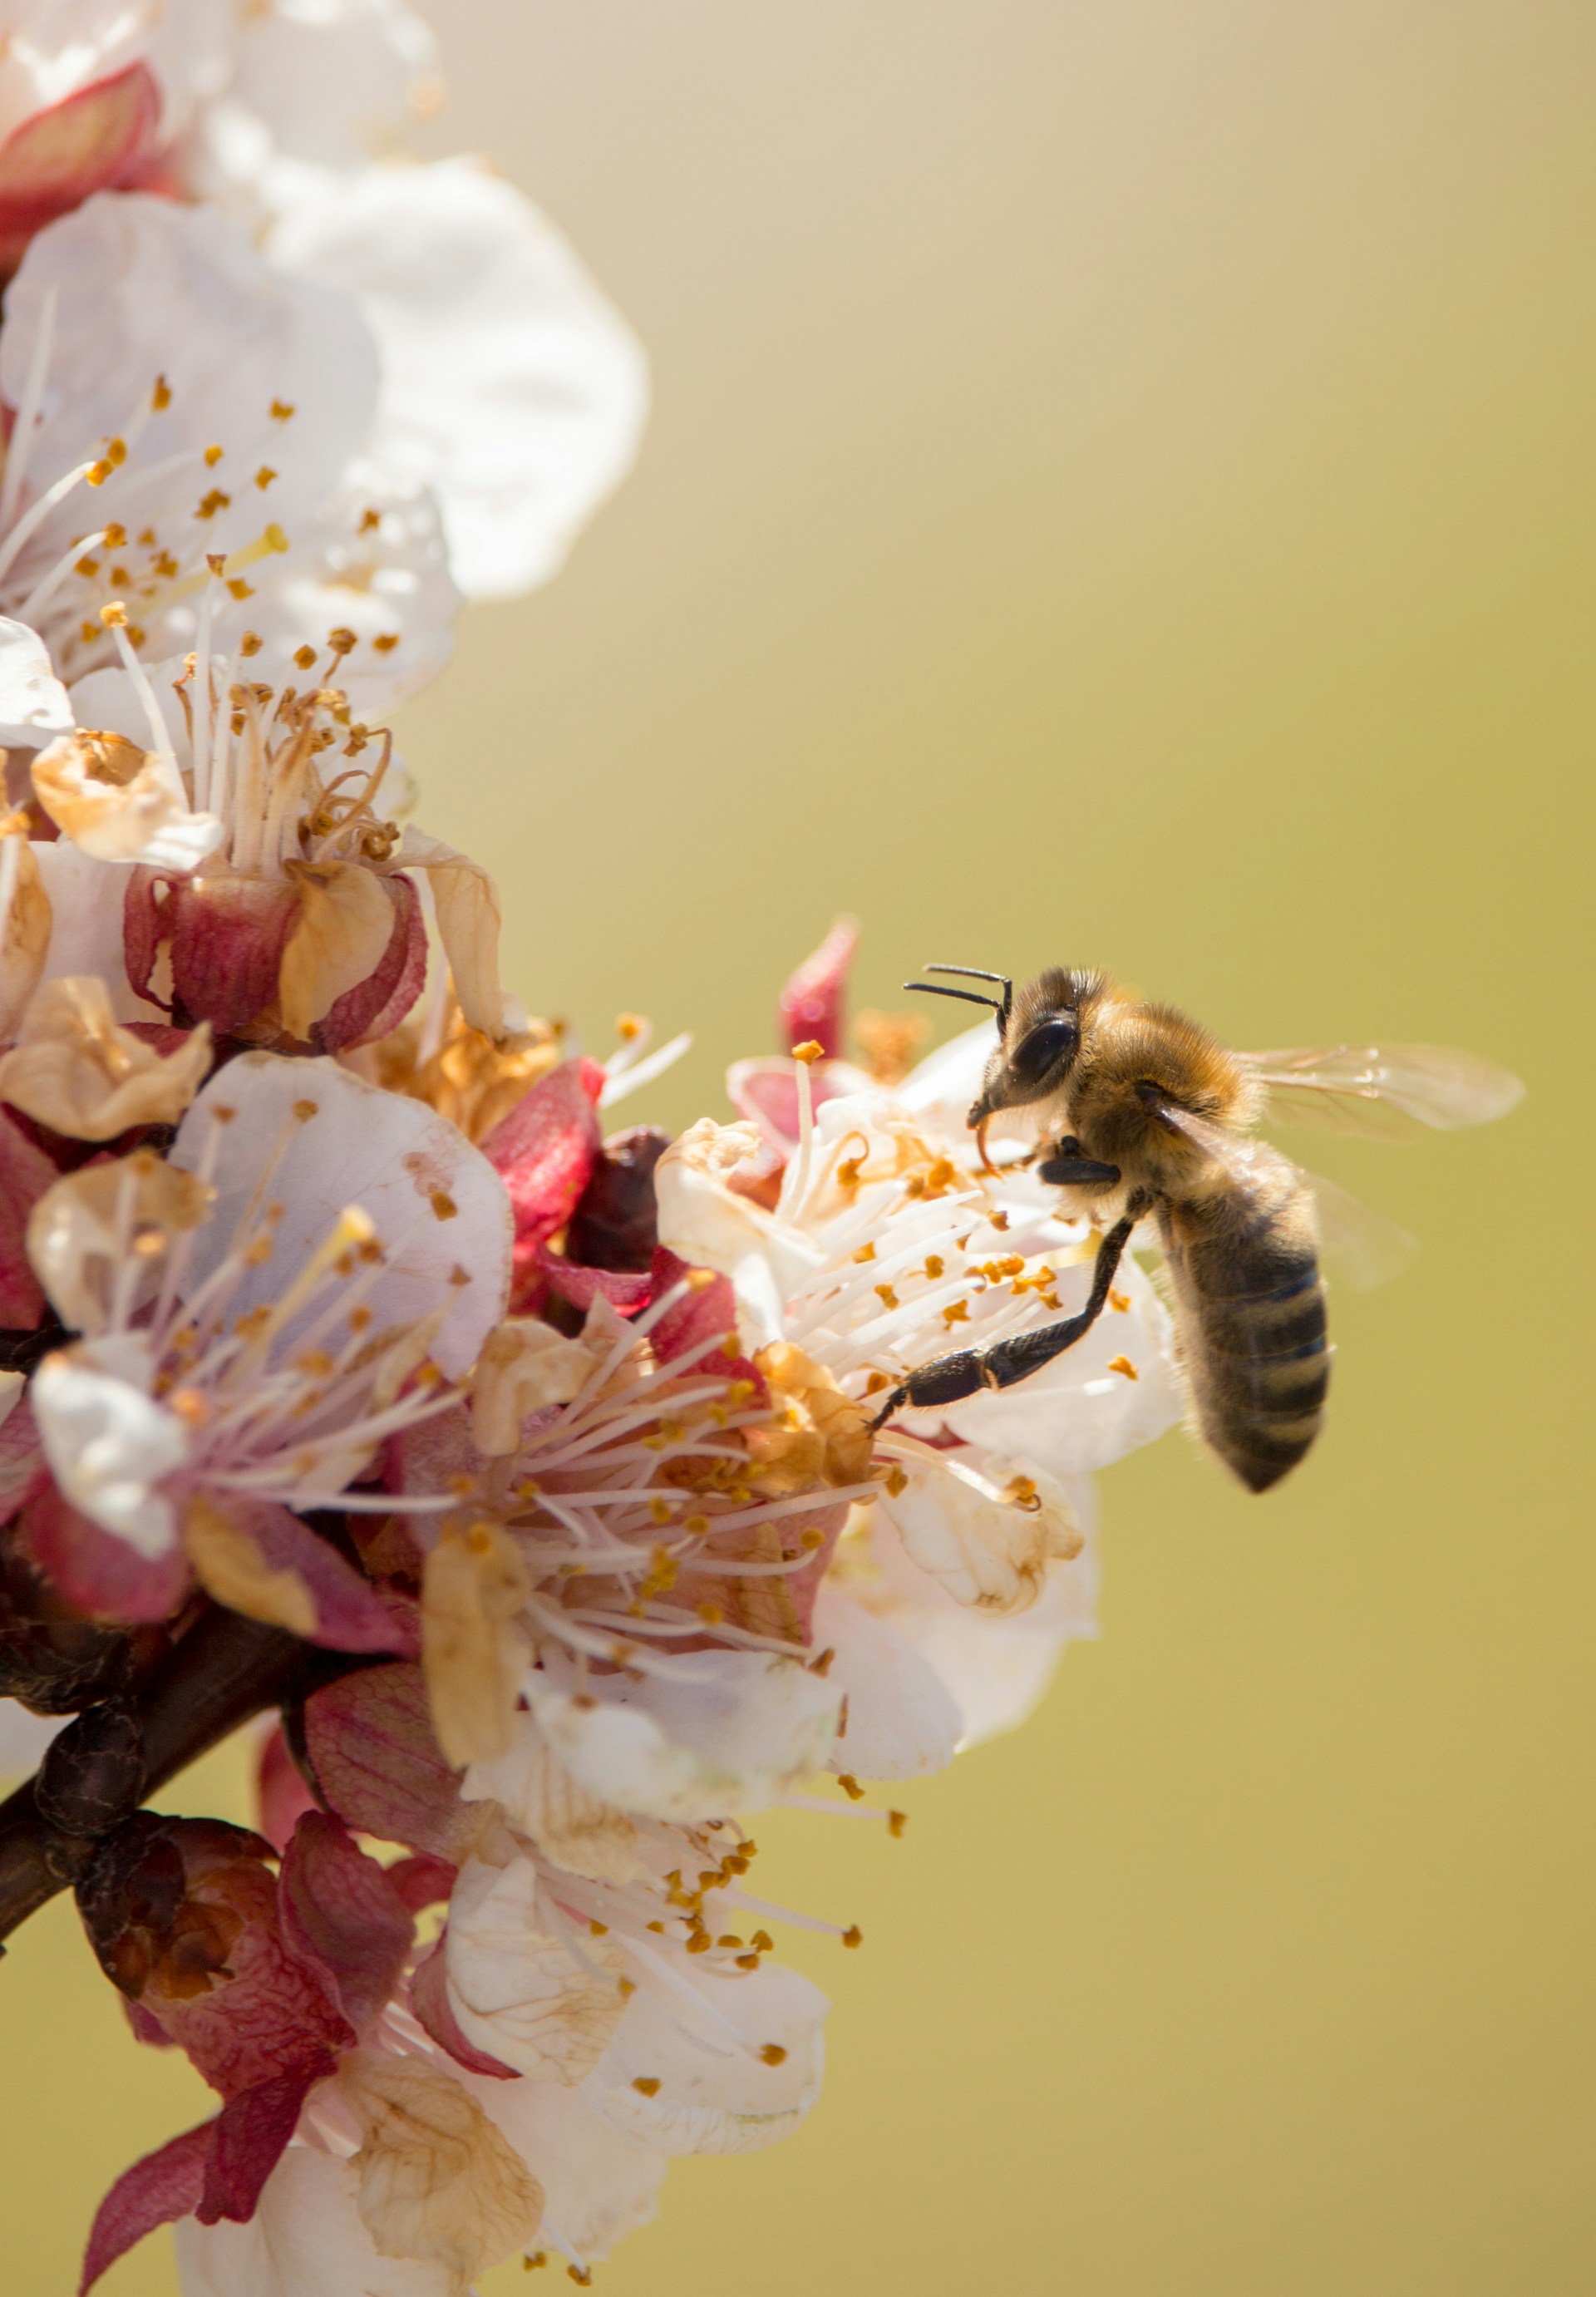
[1120,490]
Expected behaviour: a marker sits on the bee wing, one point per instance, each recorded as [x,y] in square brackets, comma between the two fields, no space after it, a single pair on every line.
[1358,1245]
[1388,1092]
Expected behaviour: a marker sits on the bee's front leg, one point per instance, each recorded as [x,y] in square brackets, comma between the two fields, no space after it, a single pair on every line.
[1066,1165]
[948,1380]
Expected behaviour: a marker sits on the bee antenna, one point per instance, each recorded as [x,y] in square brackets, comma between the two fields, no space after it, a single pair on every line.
[968,996]
[973,973]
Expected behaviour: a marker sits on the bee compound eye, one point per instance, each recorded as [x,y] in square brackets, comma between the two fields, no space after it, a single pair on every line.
[1043,1047]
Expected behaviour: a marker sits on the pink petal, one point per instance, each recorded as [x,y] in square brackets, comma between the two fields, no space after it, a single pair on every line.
[380,1004]
[250,2136]
[339,1907]
[626,1294]
[95,138]
[181,1914]
[25,1174]
[429,1999]
[228,938]
[376,1762]
[766,1092]
[811,1004]
[281,1793]
[696,1317]
[93,1570]
[423,1880]
[351,1615]
[545,1151]
[158,2190]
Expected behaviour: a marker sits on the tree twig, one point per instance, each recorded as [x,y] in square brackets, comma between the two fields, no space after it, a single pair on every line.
[226,1670]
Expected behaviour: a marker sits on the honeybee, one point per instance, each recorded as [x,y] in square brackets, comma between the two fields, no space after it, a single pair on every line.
[1144,1115]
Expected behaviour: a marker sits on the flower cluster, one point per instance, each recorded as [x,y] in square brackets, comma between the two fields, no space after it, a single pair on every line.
[526,1480]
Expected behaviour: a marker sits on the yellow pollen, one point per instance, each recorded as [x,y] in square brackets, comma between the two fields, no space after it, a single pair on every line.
[896,1820]
[958,1314]
[864,1252]
[811,1052]
[1124,1365]
[97,473]
[250,643]
[933,1267]
[444,1207]
[580,2276]
[160,398]
[114,615]
[264,477]
[599,1929]
[209,503]
[1000,1220]
[822,1666]
[886,1296]
[305,656]
[530,2264]
[189,1405]
[774,2055]
[660,1927]
[1120,1301]
[630,1028]
[280,410]
[851,1786]
[763,1939]
[729,1940]
[341,641]
[387,642]
[117,452]
[304,1110]
[853,1935]
[811,1538]
[897,1481]
[647,2085]
[747,1961]
[87,568]
[240,589]
[369,520]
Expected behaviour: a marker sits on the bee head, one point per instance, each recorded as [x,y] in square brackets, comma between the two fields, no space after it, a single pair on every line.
[1037,1044]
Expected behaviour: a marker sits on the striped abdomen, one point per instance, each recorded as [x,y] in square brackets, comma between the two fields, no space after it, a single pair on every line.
[1250,1319]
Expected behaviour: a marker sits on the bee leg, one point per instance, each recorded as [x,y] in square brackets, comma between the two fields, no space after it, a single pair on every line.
[1066,1166]
[948,1380]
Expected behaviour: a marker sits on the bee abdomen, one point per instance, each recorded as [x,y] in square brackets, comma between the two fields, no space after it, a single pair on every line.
[1254,1337]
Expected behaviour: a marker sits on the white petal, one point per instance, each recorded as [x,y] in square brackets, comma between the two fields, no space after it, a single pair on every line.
[387,580]
[510,386]
[305,2240]
[598,2184]
[542,1801]
[902,1719]
[86,923]
[439,1209]
[333,81]
[708,1225]
[714,2096]
[109,1445]
[728,1730]
[146,287]
[996,1669]
[34,707]
[518,1991]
